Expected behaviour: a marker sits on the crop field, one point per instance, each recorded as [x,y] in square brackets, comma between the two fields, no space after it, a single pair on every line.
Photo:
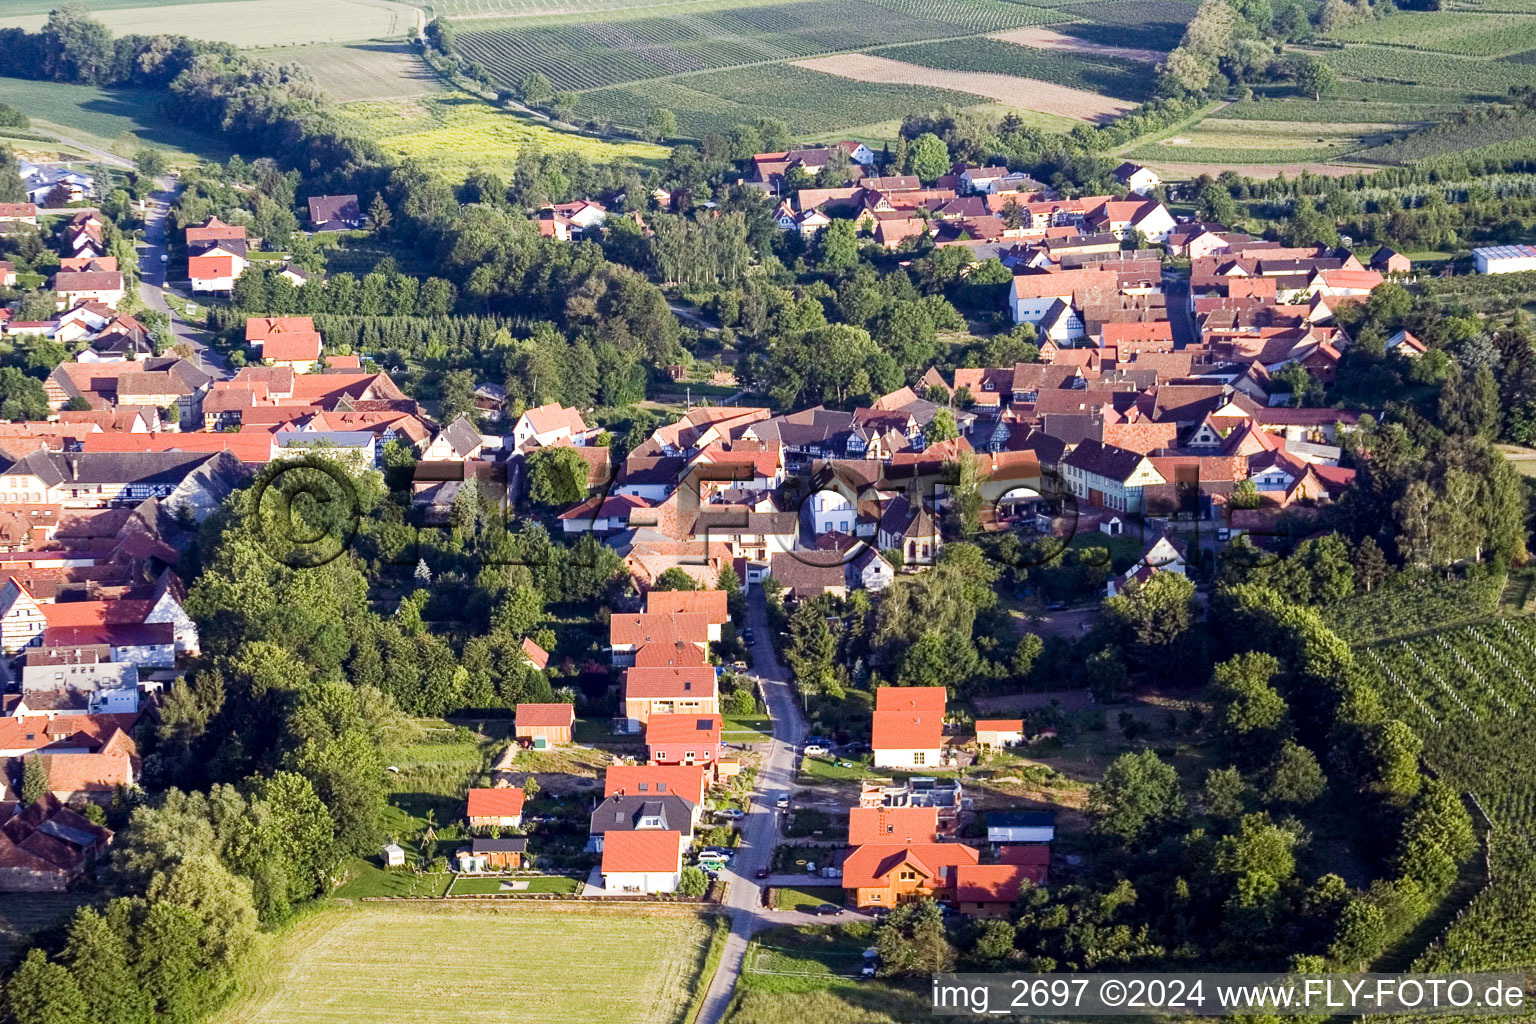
[117,120]
[364,71]
[453,133]
[1050,39]
[1471,695]
[386,963]
[1464,33]
[1456,138]
[1154,24]
[1240,142]
[15,8]
[1110,76]
[1490,79]
[809,102]
[1025,93]
[593,55]
[1332,111]
[255,22]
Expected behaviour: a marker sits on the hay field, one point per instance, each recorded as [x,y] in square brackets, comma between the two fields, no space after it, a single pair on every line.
[384,963]
[364,71]
[1049,39]
[254,22]
[1019,92]
[453,133]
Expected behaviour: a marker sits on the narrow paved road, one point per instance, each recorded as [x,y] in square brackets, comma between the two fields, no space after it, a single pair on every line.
[760,829]
[154,271]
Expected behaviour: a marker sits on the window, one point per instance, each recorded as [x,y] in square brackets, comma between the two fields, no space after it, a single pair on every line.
[689,755]
[907,875]
[919,757]
[661,755]
[874,897]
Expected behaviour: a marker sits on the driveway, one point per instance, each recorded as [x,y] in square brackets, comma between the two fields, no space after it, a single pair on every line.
[760,828]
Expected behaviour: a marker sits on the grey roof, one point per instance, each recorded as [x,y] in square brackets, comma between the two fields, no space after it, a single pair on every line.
[1021,819]
[813,426]
[1105,460]
[324,209]
[339,438]
[499,846]
[462,436]
[801,574]
[907,518]
[621,813]
[722,523]
[237,246]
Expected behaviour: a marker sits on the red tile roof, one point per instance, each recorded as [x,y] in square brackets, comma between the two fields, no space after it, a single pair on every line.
[710,603]
[999,725]
[892,825]
[635,630]
[670,730]
[684,780]
[642,850]
[545,714]
[909,718]
[668,682]
[990,883]
[870,867]
[495,803]
[536,654]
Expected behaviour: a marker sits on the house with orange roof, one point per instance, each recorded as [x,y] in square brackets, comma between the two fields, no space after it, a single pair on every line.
[683,739]
[544,725]
[544,425]
[642,860]
[908,728]
[96,777]
[713,604]
[881,875]
[688,781]
[990,890]
[534,655]
[628,633]
[214,266]
[499,808]
[669,690]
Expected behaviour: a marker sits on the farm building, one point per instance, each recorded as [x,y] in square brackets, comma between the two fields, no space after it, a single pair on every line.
[1021,827]
[999,732]
[1505,259]
[546,725]
[495,807]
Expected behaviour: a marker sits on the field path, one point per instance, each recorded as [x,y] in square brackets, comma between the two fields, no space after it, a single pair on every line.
[1046,39]
[1026,93]
[1256,170]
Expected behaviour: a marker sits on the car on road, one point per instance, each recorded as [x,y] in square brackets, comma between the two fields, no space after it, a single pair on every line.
[783,801]
[731,813]
[747,636]
[760,873]
[164,258]
[879,913]
[829,910]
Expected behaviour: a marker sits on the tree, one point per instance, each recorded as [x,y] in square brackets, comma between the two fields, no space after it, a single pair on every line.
[928,157]
[1314,78]
[692,882]
[1371,567]
[1137,798]
[1250,713]
[34,780]
[941,428]
[534,89]
[675,578]
[556,476]
[43,992]
[78,48]
[913,941]
[1295,779]
[1223,793]
[837,246]
[379,214]
[98,956]
[662,124]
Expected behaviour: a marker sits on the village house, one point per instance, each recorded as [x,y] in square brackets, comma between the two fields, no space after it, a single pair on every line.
[682,690]
[76,286]
[544,725]
[629,634]
[640,812]
[570,222]
[881,875]
[500,808]
[903,826]
[996,733]
[549,424]
[1102,475]
[335,213]
[642,861]
[80,689]
[214,265]
[908,728]
[1136,178]
[683,739]
[659,780]
[46,846]
[990,890]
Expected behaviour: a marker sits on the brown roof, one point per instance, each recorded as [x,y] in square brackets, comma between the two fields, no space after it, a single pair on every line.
[545,715]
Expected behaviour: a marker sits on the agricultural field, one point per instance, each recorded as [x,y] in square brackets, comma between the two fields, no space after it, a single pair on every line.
[1150,24]
[1239,142]
[1050,39]
[253,22]
[1023,93]
[594,55]
[1116,77]
[364,71]
[809,102]
[453,133]
[1482,79]
[479,964]
[1451,138]
[116,120]
[1469,693]
[1465,33]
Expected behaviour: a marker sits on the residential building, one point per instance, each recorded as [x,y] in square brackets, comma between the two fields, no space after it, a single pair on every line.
[335,213]
[501,808]
[1136,178]
[638,812]
[990,890]
[100,688]
[996,733]
[658,780]
[642,862]
[684,690]
[908,728]
[1102,475]
[46,846]
[683,739]
[545,425]
[880,875]
[904,826]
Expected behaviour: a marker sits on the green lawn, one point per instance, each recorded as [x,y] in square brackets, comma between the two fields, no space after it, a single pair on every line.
[118,120]
[806,897]
[437,762]
[812,974]
[754,729]
[464,886]
[820,769]
[479,964]
[366,879]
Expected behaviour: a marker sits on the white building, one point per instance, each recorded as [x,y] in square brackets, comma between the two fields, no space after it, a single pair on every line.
[102,688]
[1505,259]
[644,860]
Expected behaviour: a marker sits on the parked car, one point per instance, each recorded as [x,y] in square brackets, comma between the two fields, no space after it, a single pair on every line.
[867,971]
[816,750]
[747,635]
[731,813]
[855,749]
[760,873]
[829,910]
[717,853]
